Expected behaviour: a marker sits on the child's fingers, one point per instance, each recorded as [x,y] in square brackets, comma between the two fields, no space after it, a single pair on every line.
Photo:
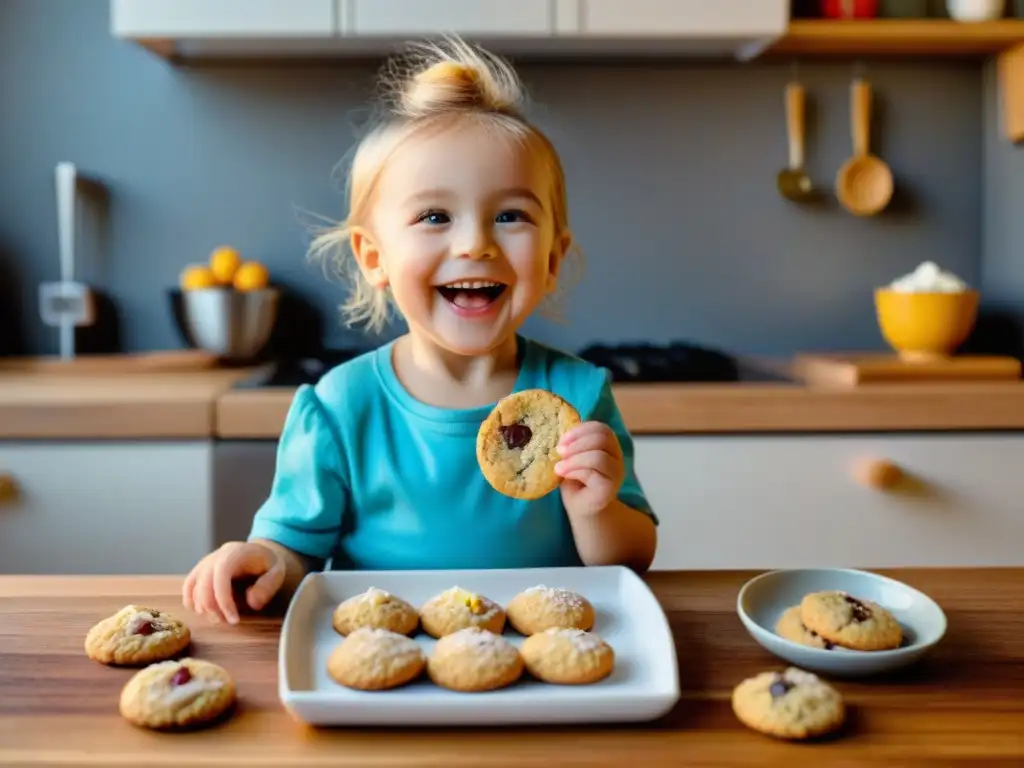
[188,587]
[223,573]
[598,461]
[206,601]
[266,586]
[580,430]
[592,441]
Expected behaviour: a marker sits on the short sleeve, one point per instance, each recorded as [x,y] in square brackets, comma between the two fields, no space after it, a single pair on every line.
[309,494]
[605,409]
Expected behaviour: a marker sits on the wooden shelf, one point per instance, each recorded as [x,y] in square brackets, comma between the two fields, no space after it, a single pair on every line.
[900,37]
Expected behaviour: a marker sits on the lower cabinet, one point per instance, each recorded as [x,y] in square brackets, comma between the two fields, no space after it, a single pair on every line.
[104,508]
[874,501]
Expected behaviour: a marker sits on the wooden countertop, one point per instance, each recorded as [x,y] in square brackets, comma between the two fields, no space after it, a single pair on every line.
[960,706]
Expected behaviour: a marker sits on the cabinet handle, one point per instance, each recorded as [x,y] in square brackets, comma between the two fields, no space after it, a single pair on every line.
[8,489]
[881,474]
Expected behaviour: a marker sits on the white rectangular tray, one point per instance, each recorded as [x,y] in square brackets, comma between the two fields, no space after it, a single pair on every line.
[643,686]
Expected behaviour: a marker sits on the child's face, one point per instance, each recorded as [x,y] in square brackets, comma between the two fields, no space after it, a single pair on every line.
[464,230]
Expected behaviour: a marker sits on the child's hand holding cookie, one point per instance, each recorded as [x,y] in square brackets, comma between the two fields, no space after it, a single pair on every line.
[591,466]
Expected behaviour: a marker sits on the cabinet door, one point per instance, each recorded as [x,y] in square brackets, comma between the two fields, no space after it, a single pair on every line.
[223,18]
[93,508]
[660,18]
[464,17]
[788,502]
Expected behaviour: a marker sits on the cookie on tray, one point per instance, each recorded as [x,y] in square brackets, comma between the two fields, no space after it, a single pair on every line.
[567,656]
[186,693]
[538,608]
[378,609]
[860,625]
[793,704]
[474,660]
[137,635]
[792,628]
[458,608]
[516,445]
[375,659]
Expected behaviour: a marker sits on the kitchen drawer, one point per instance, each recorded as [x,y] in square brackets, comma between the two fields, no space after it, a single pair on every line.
[796,501]
[657,18]
[89,508]
[226,18]
[464,17]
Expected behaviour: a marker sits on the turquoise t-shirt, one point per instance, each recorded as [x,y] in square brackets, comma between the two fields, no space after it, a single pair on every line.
[370,478]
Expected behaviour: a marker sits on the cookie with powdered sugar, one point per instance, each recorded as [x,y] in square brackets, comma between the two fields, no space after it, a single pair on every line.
[541,607]
[567,656]
[374,659]
[137,635]
[378,609]
[474,660]
[187,693]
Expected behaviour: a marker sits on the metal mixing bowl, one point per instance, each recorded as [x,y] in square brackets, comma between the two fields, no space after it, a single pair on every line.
[234,325]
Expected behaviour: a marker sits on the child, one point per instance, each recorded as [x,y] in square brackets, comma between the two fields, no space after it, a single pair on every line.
[458,219]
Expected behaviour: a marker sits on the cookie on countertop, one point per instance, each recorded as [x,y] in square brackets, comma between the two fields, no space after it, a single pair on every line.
[458,608]
[378,609]
[538,608]
[186,693]
[474,660]
[516,445]
[792,628]
[793,704]
[375,659]
[842,619]
[137,635]
[567,656]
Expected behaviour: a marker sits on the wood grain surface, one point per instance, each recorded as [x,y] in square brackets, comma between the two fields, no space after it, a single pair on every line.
[963,705]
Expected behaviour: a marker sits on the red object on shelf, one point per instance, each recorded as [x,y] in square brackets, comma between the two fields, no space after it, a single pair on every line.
[849,9]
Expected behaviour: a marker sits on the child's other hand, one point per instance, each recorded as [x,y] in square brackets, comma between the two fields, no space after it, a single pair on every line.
[207,590]
[592,467]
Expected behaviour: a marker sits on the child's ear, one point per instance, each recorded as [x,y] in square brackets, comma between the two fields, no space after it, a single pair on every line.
[368,257]
[561,246]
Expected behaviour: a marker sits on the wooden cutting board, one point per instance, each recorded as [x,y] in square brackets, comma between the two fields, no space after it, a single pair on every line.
[856,369]
[168,361]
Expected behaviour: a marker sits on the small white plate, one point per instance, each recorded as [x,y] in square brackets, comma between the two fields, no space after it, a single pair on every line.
[763,599]
[643,686]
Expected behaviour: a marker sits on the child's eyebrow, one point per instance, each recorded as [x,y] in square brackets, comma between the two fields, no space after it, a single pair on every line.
[434,194]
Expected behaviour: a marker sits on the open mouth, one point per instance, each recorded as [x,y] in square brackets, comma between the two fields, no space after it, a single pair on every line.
[472,294]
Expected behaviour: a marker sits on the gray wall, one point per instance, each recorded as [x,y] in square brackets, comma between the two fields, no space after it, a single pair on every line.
[670,170]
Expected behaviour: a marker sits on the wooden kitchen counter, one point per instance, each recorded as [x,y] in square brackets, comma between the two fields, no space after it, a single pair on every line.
[733,408]
[41,404]
[962,705]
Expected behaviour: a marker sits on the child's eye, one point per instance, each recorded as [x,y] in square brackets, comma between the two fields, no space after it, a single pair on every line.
[507,217]
[434,217]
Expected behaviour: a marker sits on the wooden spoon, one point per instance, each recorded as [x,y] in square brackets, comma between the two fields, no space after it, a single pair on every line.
[864,183]
[793,182]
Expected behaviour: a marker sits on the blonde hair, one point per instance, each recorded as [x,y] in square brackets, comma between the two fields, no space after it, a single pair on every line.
[432,87]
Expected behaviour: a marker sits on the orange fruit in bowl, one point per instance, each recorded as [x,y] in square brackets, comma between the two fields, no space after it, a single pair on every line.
[251,276]
[196,277]
[224,263]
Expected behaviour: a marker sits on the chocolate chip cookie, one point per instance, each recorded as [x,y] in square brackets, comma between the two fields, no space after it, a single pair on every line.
[793,704]
[137,635]
[177,694]
[842,619]
[792,628]
[373,659]
[516,446]
[375,608]
[567,656]
[538,608]
[474,660]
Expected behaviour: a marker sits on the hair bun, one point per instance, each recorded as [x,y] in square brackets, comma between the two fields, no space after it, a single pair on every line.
[456,78]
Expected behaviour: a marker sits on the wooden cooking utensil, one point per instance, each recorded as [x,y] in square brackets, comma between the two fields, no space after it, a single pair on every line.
[864,182]
[793,182]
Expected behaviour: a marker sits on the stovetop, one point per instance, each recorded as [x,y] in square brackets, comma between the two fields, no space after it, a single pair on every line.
[673,362]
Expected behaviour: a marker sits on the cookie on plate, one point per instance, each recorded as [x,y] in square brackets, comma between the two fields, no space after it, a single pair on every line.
[456,609]
[842,619]
[375,659]
[793,704]
[538,608]
[474,660]
[516,445]
[185,693]
[137,635]
[378,609]
[792,628]
[567,656]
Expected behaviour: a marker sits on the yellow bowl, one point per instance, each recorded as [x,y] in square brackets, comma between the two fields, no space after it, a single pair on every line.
[925,326]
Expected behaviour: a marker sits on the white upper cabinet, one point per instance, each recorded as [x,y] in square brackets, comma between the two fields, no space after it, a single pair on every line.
[227,18]
[429,17]
[266,28]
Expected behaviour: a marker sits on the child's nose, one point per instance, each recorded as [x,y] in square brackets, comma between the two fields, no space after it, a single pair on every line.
[475,242]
